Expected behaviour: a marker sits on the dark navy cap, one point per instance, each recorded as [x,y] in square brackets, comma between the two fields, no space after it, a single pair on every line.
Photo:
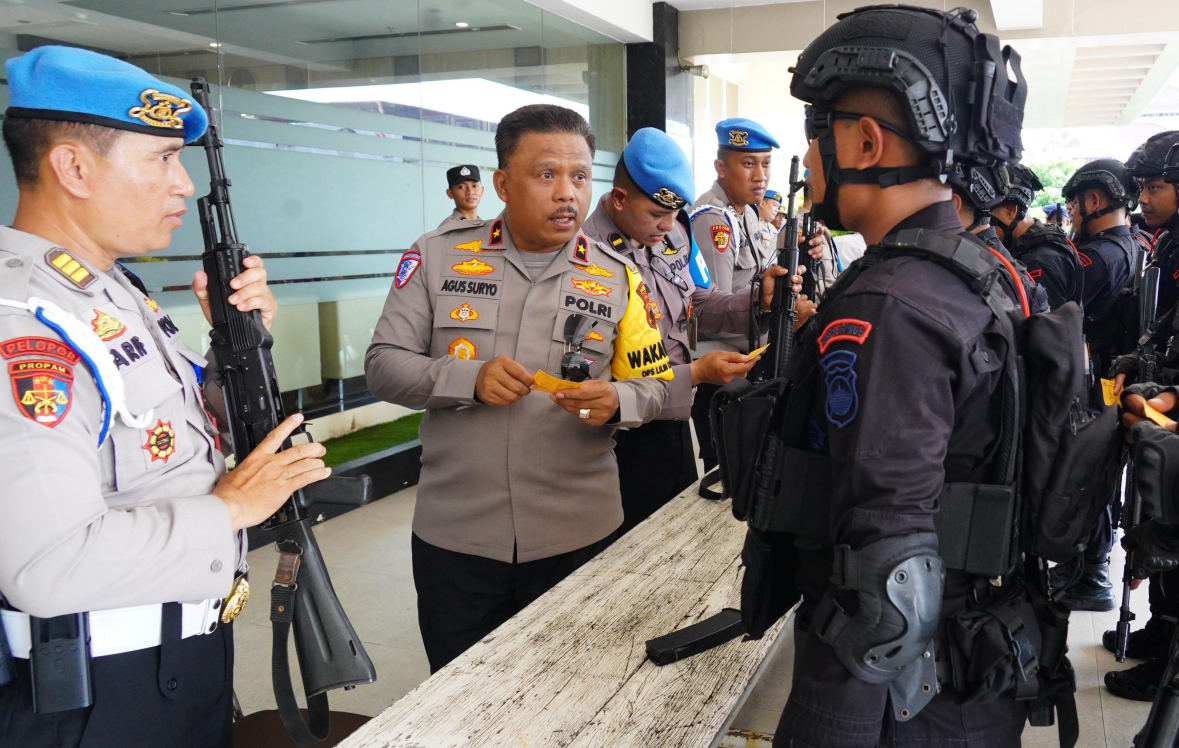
[658,166]
[741,134]
[462,173]
[76,85]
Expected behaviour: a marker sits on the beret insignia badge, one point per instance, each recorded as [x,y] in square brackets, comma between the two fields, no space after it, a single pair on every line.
[738,137]
[160,109]
[667,198]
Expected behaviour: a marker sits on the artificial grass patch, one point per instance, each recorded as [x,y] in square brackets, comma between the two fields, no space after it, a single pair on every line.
[372,439]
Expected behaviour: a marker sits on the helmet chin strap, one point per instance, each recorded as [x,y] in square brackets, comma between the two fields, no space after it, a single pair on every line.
[881,176]
[1008,228]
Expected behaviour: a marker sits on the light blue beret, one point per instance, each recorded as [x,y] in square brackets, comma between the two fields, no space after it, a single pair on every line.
[774,195]
[741,134]
[659,167]
[76,85]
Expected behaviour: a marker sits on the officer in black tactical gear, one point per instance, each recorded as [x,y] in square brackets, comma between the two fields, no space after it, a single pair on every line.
[1159,204]
[1043,248]
[977,189]
[1100,194]
[1159,210]
[895,381]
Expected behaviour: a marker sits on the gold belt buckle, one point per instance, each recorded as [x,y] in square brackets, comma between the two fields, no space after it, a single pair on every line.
[236,600]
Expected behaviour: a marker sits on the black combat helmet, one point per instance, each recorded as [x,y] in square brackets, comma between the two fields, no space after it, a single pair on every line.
[950,79]
[1148,159]
[1022,187]
[1171,166]
[984,186]
[1110,176]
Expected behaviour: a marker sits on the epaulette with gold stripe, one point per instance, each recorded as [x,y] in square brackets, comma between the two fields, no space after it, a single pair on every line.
[73,271]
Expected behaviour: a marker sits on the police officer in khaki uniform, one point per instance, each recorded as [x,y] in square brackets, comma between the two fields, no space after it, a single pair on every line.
[518,487]
[728,229]
[638,218]
[117,513]
[466,190]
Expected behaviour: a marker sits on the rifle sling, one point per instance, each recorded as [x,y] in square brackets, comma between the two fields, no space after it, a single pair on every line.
[283,599]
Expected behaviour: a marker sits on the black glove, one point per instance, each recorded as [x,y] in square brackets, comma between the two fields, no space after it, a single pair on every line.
[1127,365]
[1155,547]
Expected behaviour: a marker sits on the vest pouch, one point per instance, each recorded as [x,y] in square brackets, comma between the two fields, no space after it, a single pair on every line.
[1081,484]
[991,650]
[974,525]
[767,587]
[740,415]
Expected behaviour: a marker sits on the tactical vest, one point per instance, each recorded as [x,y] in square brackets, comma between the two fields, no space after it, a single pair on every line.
[1040,235]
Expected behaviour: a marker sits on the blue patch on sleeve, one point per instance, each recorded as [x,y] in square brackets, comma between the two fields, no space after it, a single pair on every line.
[697,267]
[842,402]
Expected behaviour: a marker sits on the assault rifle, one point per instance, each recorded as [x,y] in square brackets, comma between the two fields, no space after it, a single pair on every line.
[330,653]
[783,314]
[1148,360]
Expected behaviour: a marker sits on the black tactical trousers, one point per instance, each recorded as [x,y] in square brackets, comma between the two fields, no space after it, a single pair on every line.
[655,463]
[187,702]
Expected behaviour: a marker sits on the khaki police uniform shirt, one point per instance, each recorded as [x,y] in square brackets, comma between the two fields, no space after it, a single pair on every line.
[678,303]
[526,479]
[128,522]
[736,249]
[455,216]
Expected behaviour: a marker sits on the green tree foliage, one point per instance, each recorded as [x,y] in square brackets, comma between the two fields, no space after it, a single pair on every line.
[1053,175]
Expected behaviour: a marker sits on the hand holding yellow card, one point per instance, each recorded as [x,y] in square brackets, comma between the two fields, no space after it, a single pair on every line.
[549,383]
[1107,393]
[757,351]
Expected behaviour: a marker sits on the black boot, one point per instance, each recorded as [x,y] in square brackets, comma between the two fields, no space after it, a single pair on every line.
[1147,643]
[1093,591]
[1139,683]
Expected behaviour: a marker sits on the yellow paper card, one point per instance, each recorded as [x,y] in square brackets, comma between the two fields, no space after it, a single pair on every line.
[758,351]
[1156,417]
[1107,392]
[549,383]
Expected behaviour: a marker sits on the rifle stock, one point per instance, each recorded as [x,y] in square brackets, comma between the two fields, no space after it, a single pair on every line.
[329,651]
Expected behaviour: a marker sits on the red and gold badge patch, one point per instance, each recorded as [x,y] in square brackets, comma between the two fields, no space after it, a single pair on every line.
[654,314]
[591,287]
[594,335]
[42,389]
[472,266]
[497,234]
[595,270]
[721,235]
[106,326]
[475,245]
[161,441]
[581,253]
[462,349]
[464,313]
[151,304]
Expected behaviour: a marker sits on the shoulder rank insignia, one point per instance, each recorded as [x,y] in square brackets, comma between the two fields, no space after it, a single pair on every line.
[160,109]
[855,330]
[151,304]
[595,270]
[161,441]
[42,389]
[721,233]
[475,245]
[738,137]
[581,253]
[462,349]
[497,234]
[590,286]
[407,267]
[472,267]
[617,242]
[464,313]
[64,263]
[106,326]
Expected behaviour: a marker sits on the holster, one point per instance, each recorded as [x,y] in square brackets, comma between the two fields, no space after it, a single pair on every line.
[990,649]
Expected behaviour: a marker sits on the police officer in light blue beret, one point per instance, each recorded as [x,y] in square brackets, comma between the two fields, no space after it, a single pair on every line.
[643,218]
[733,240]
[120,532]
